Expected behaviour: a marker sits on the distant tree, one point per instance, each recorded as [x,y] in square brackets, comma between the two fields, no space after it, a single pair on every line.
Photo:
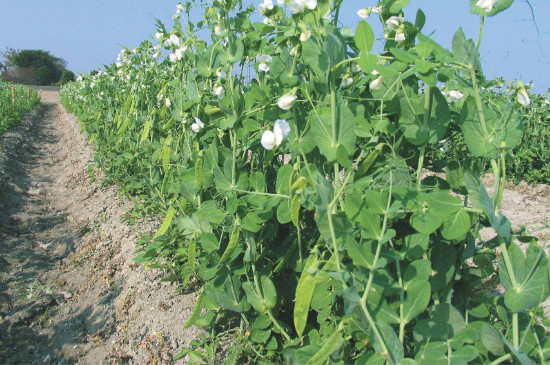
[37,61]
[66,76]
[45,75]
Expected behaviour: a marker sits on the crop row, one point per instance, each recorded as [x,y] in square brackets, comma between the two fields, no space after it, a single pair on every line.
[288,159]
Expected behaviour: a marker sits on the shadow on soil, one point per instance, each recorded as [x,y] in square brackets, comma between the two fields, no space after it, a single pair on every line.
[34,238]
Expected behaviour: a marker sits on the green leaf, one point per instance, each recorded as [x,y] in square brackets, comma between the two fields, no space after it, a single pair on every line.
[504,128]
[481,200]
[391,341]
[464,355]
[329,346]
[419,127]
[397,5]
[283,211]
[445,323]
[284,175]
[415,245]
[456,225]
[465,51]
[166,222]
[433,352]
[253,297]
[316,57]
[531,285]
[492,339]
[418,270]
[260,336]
[269,292]
[443,258]
[364,37]
[304,294]
[455,177]
[343,141]
[424,221]
[367,62]
[443,203]
[417,299]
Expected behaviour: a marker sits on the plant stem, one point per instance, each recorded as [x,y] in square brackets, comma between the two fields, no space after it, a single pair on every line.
[515,324]
[480,33]
[501,359]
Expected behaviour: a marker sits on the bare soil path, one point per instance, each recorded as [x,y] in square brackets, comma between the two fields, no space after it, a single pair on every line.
[69,290]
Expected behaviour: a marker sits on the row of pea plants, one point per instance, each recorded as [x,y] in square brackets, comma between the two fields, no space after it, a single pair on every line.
[15,102]
[289,160]
[528,160]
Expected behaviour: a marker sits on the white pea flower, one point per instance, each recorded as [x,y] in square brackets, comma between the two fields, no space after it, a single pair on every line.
[377,83]
[173,57]
[400,35]
[118,64]
[266,5]
[394,22]
[167,42]
[347,81]
[364,13]
[175,40]
[287,101]
[280,2]
[219,91]
[523,97]
[156,55]
[270,139]
[453,96]
[486,5]
[306,34]
[377,9]
[298,6]
[264,61]
[197,126]
[158,35]
[268,21]
[218,30]
[179,8]
[168,103]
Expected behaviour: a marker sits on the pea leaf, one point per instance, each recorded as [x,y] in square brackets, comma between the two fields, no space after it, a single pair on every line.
[342,142]
[417,299]
[364,36]
[424,221]
[531,286]
[456,225]
[422,126]
[504,128]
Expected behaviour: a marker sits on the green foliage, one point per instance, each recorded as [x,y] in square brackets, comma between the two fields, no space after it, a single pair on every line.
[45,68]
[66,77]
[296,196]
[13,110]
[527,158]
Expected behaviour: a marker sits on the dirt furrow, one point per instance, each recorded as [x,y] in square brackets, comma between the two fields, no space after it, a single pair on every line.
[69,290]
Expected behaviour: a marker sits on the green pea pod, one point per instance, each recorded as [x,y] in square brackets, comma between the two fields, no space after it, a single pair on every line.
[146,129]
[191,254]
[125,125]
[299,184]
[165,154]
[304,294]
[295,210]
[199,177]
[233,240]
[166,222]
[196,311]
[367,163]
[328,348]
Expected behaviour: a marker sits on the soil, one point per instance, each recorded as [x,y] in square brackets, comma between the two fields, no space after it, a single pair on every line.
[69,289]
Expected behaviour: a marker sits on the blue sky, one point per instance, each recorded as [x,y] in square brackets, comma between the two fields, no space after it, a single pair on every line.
[89,34]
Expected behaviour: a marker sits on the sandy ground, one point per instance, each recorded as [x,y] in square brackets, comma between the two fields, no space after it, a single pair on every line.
[69,289]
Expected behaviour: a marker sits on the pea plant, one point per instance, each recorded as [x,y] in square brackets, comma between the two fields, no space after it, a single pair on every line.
[15,101]
[290,161]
